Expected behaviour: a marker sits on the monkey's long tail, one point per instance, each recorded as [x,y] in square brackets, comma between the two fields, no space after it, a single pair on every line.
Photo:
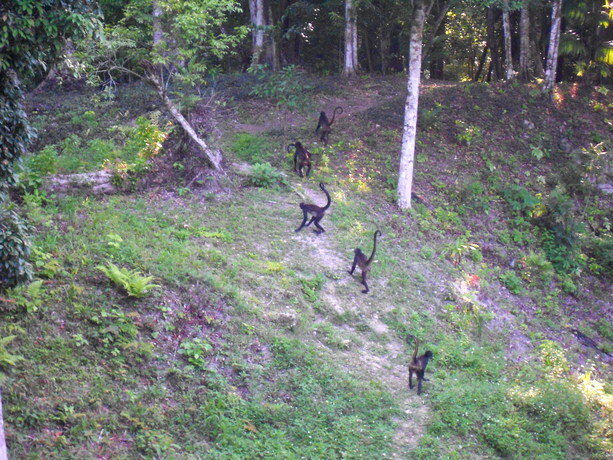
[374,247]
[327,195]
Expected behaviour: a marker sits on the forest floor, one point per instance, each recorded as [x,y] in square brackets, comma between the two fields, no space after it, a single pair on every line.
[257,340]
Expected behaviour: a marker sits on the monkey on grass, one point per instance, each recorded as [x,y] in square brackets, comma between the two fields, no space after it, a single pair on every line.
[326,125]
[360,260]
[302,158]
[316,211]
[418,365]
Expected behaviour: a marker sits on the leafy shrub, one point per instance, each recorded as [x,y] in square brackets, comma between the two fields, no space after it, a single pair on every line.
[511,281]
[264,175]
[195,350]
[146,140]
[285,87]
[427,118]
[520,199]
[14,249]
[131,281]
[36,167]
[536,266]
[467,134]
[251,148]
[475,196]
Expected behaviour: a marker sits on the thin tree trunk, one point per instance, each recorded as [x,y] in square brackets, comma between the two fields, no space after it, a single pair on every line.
[407,154]
[351,39]
[368,52]
[213,157]
[384,46]
[3,452]
[435,27]
[506,33]
[492,43]
[264,50]
[554,44]
[481,64]
[524,42]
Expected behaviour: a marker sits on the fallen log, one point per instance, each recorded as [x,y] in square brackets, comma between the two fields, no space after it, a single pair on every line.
[95,183]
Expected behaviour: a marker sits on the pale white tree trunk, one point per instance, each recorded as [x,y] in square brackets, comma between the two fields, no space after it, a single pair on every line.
[256,11]
[554,44]
[3,452]
[506,32]
[524,41]
[407,154]
[351,39]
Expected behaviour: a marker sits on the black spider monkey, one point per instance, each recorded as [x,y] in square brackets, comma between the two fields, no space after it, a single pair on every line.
[302,158]
[361,261]
[325,125]
[316,211]
[418,365]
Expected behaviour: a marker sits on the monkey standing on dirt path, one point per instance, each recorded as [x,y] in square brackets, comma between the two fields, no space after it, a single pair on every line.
[316,211]
[302,158]
[361,261]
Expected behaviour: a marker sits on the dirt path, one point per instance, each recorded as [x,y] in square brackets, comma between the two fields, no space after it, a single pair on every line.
[388,367]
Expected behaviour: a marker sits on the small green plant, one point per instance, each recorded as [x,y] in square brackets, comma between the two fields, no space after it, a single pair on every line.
[511,281]
[89,120]
[7,359]
[535,266]
[520,199]
[195,351]
[460,248]
[133,282]
[265,175]
[467,134]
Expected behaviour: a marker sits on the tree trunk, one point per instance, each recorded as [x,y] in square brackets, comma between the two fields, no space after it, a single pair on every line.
[492,43]
[384,45]
[524,42]
[554,44]
[351,39]
[3,452]
[214,158]
[264,49]
[481,64]
[435,28]
[506,33]
[407,154]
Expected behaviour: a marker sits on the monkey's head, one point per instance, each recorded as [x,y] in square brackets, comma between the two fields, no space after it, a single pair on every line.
[428,354]
[298,145]
[322,114]
[302,205]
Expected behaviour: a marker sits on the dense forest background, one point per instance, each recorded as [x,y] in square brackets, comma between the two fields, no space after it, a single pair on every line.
[157,302]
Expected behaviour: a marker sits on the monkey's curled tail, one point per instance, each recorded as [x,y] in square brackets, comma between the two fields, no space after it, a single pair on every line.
[334,114]
[289,147]
[327,196]
[374,247]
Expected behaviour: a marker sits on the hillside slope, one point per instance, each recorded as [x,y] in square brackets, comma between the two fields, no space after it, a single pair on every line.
[258,341]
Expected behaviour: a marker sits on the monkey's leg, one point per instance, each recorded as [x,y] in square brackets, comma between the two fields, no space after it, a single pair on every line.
[419,379]
[410,379]
[303,221]
[310,221]
[308,170]
[316,222]
[365,291]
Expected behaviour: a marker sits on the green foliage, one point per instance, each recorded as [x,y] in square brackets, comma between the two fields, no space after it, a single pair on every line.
[265,175]
[7,359]
[285,87]
[132,281]
[89,120]
[312,286]
[511,281]
[467,134]
[195,351]
[36,167]
[519,199]
[428,118]
[462,247]
[14,249]
[536,267]
[251,147]
[475,196]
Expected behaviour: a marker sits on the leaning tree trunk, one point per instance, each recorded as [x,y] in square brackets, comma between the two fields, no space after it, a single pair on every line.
[506,32]
[351,39]
[554,44]
[214,157]
[524,42]
[407,154]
